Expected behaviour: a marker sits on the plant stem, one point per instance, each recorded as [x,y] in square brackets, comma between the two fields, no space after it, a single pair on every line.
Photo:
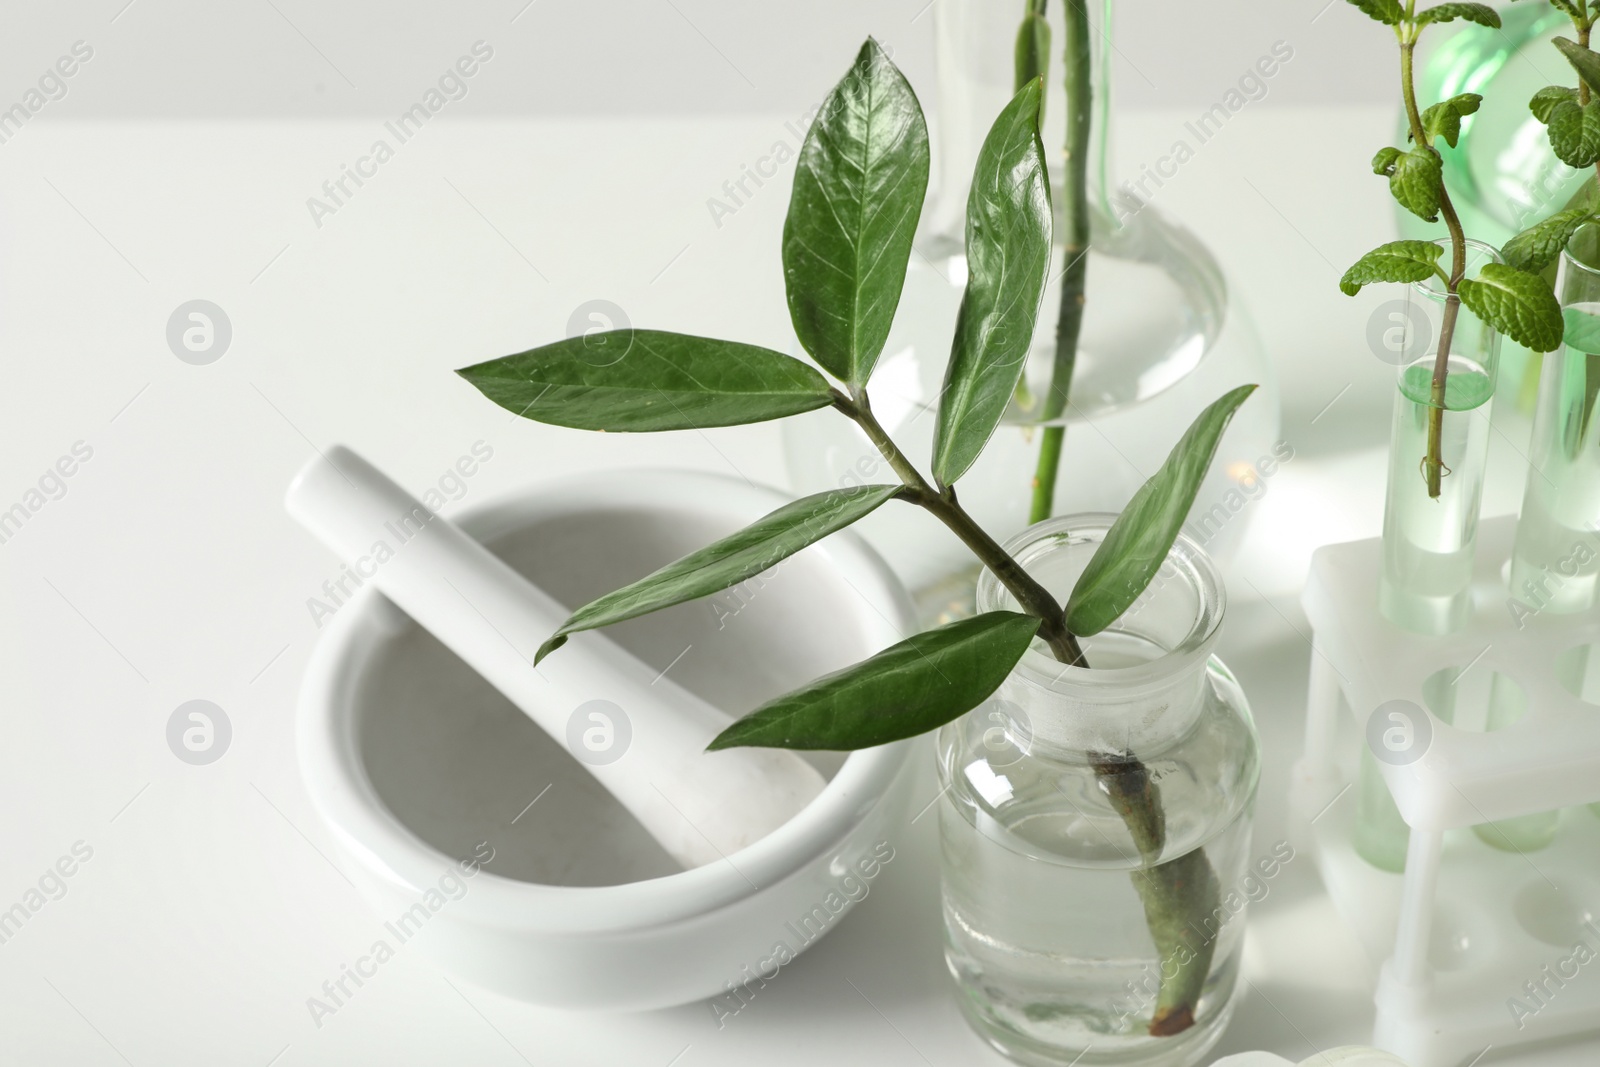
[1432,463]
[1034,598]
[1075,254]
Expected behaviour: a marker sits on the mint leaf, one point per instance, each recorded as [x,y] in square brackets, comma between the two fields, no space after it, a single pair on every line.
[646,380]
[1482,14]
[1387,12]
[1397,261]
[1444,118]
[1538,245]
[734,559]
[1138,542]
[1417,181]
[1547,98]
[1575,133]
[1383,162]
[1585,62]
[907,689]
[858,189]
[1518,304]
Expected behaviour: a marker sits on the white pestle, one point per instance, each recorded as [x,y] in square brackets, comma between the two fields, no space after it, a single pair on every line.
[701,806]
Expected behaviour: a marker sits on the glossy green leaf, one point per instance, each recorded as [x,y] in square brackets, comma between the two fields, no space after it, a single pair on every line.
[907,689]
[1539,245]
[1548,97]
[1482,14]
[1397,261]
[1388,12]
[641,380]
[1417,182]
[1444,118]
[734,559]
[1584,61]
[1518,304]
[1575,132]
[1033,47]
[1008,258]
[858,190]
[1138,542]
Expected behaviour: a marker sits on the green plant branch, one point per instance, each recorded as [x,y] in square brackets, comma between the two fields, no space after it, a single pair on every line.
[1034,598]
[1179,895]
[1075,253]
[1433,462]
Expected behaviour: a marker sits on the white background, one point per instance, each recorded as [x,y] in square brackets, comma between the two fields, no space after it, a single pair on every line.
[178,167]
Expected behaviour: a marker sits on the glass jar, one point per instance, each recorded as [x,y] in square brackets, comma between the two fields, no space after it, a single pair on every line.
[1163,335]
[1095,826]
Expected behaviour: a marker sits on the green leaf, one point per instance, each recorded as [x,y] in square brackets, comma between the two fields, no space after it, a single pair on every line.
[1581,329]
[1518,304]
[1383,163]
[1482,14]
[858,191]
[1033,49]
[1008,257]
[1388,12]
[1444,118]
[1567,7]
[1539,245]
[734,559]
[1548,97]
[907,689]
[1417,181]
[1585,62]
[1575,132]
[639,380]
[1397,261]
[1138,542]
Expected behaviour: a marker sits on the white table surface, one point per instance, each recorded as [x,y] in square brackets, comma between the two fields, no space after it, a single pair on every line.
[209,912]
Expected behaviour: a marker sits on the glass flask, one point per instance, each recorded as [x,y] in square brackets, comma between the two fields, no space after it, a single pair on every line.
[1095,827]
[1502,175]
[1162,337]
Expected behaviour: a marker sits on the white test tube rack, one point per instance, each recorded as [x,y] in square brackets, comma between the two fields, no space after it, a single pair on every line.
[1469,931]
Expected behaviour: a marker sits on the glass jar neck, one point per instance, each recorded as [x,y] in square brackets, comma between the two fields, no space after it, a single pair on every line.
[1147,670]
[974,57]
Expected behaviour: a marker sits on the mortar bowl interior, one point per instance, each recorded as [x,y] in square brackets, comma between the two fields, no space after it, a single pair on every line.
[414,761]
